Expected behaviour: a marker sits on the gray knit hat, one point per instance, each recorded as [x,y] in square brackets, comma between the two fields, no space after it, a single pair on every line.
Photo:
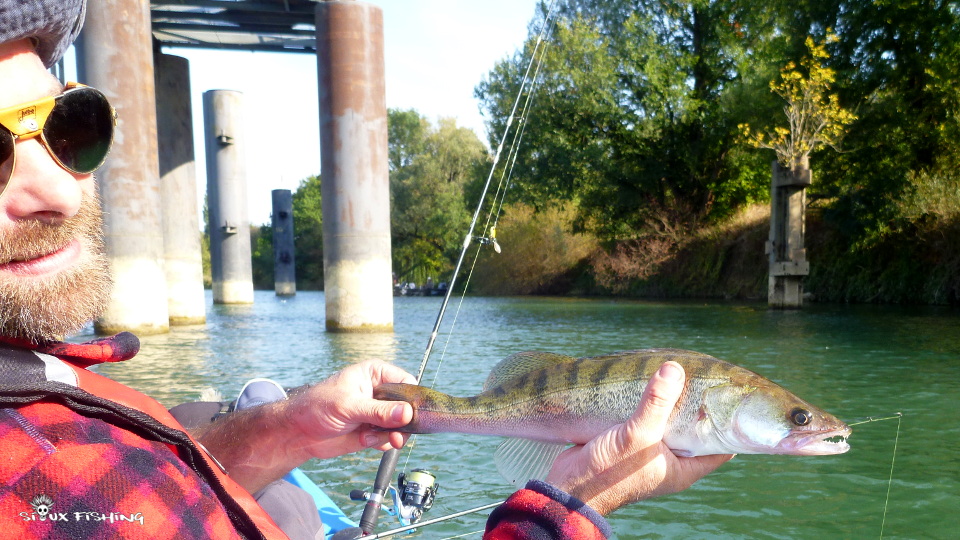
[52,24]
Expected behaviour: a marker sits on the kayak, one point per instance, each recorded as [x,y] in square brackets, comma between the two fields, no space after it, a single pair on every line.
[331,515]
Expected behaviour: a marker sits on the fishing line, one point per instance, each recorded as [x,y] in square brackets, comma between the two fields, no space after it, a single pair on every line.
[890,481]
[872,419]
[501,195]
[893,460]
[386,467]
[526,86]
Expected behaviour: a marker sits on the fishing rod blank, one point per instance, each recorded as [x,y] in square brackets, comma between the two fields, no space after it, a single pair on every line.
[388,462]
[399,530]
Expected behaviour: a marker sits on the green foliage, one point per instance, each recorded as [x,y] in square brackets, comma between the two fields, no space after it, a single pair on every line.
[261,248]
[899,62]
[430,168]
[308,234]
[540,255]
[633,136]
[635,114]
[634,124]
[814,115]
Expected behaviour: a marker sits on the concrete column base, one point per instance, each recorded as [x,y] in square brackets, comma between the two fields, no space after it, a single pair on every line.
[785,292]
[233,292]
[358,296]
[138,304]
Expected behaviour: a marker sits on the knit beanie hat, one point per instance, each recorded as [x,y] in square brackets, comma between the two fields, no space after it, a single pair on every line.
[51,24]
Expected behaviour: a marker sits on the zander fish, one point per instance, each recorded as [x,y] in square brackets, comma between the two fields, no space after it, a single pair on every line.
[547,401]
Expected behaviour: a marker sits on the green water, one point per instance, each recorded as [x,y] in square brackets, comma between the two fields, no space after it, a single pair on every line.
[853,361]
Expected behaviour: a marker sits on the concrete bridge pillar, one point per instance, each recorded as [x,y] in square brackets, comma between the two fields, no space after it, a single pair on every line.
[115,55]
[785,247]
[284,272]
[230,261]
[353,168]
[178,190]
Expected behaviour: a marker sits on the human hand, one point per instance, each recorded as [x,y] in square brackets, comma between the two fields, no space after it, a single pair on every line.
[335,417]
[630,462]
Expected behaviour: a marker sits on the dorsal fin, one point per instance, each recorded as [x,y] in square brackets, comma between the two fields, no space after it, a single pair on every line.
[522,363]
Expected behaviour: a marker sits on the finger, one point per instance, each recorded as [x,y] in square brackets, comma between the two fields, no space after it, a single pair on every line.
[660,396]
[384,414]
[382,440]
[389,373]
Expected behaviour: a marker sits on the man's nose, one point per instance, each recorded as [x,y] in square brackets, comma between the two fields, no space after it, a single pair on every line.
[39,187]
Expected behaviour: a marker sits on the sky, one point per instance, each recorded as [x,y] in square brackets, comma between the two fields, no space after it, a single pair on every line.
[436,52]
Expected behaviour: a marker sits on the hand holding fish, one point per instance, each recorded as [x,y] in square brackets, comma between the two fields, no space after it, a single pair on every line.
[332,418]
[630,462]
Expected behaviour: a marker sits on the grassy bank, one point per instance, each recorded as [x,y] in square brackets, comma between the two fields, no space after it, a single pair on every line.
[916,262]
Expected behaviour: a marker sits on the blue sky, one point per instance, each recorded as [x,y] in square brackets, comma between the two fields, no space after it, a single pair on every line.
[436,51]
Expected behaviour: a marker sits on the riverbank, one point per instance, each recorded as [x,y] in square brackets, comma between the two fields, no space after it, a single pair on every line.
[916,262]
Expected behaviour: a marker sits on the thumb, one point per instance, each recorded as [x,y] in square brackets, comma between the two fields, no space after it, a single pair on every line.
[384,414]
[649,422]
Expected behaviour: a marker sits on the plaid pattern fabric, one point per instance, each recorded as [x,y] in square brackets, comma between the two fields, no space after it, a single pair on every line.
[543,512]
[112,468]
[105,482]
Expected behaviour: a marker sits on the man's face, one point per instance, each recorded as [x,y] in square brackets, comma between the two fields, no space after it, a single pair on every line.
[54,276]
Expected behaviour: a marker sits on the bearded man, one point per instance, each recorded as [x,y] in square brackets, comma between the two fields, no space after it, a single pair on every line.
[97,448]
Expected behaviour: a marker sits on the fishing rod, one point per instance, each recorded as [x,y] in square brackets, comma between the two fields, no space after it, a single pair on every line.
[405,528]
[388,462]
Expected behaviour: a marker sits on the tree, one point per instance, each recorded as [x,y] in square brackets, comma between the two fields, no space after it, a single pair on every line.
[261,247]
[899,62]
[815,117]
[430,168]
[636,111]
[308,234]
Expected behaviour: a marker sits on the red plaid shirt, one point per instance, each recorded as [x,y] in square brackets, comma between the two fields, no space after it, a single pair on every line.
[93,470]
[74,464]
[540,511]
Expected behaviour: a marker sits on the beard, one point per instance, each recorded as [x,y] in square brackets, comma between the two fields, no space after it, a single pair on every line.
[48,309]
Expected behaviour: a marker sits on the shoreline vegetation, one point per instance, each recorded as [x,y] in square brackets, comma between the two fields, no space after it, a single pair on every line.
[644,166]
[917,264]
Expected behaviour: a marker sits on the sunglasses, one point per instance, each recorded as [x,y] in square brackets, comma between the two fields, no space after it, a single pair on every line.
[76,128]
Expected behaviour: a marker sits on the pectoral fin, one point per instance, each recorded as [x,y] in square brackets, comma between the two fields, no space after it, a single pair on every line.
[519,460]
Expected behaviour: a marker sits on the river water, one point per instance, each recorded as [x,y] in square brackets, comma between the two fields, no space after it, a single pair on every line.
[854,361]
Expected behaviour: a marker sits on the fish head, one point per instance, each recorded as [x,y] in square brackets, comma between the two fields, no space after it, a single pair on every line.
[771,420]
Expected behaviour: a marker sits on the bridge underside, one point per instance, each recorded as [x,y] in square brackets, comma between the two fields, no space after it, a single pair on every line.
[249,25]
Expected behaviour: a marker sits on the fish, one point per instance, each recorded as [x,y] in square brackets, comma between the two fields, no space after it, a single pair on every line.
[544,402]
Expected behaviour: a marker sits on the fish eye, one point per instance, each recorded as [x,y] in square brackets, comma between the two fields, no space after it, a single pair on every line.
[800,417]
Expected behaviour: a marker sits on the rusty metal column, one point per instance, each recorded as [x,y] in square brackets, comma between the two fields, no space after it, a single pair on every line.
[284,269]
[785,247]
[115,55]
[178,189]
[353,168]
[230,261]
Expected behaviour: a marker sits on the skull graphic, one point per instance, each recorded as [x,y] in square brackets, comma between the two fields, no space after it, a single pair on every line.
[41,505]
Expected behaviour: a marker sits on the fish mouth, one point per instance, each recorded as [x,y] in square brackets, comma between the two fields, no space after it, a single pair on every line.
[817,443]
